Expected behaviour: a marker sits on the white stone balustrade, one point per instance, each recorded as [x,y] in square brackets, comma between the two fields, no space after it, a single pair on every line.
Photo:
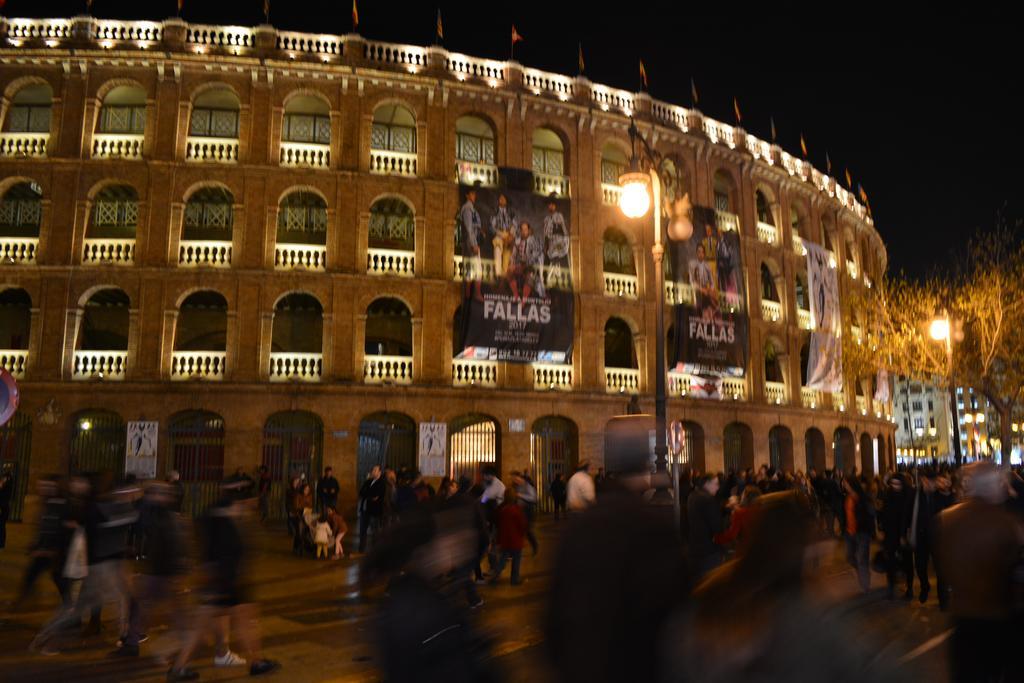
[839,401]
[212,253]
[300,367]
[810,398]
[208,365]
[775,392]
[117,146]
[734,388]
[412,57]
[727,220]
[232,38]
[622,380]
[544,82]
[554,376]
[118,252]
[305,155]
[390,262]
[803,319]
[546,183]
[18,249]
[771,311]
[314,44]
[14,361]
[609,98]
[19,29]
[385,162]
[616,284]
[767,233]
[470,172]
[610,194]
[862,404]
[387,369]
[109,31]
[678,293]
[464,66]
[107,365]
[468,372]
[23,144]
[798,245]
[300,257]
[461,265]
[214,150]
[877,407]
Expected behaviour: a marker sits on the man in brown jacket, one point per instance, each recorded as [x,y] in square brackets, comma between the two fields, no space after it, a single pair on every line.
[980,545]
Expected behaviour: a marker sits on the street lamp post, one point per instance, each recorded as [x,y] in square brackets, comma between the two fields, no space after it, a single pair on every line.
[635,202]
[941,329]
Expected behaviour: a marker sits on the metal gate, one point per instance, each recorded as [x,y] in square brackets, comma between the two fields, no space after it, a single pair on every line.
[554,448]
[15,453]
[387,440]
[292,447]
[732,446]
[473,443]
[197,453]
[98,440]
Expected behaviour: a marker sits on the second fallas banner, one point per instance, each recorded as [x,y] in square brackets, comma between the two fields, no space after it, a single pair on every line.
[516,273]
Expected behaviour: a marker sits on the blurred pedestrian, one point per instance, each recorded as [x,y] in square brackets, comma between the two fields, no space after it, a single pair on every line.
[49,551]
[372,495]
[580,490]
[6,493]
[924,509]
[338,530]
[704,516]
[263,488]
[858,530]
[511,536]
[527,494]
[894,527]
[327,490]
[456,514]
[558,495]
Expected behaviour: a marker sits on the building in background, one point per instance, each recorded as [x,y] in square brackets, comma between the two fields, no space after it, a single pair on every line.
[923,429]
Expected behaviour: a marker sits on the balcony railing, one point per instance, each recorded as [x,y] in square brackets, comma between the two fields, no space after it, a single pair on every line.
[862,404]
[396,262]
[803,319]
[305,155]
[616,284]
[300,367]
[878,408]
[552,376]
[727,220]
[387,369]
[196,253]
[386,162]
[733,388]
[545,184]
[622,381]
[775,392]
[300,257]
[851,269]
[117,146]
[811,398]
[113,251]
[798,245]
[18,249]
[839,401]
[208,365]
[461,266]
[215,150]
[23,144]
[467,372]
[767,233]
[610,194]
[14,362]
[771,311]
[107,365]
[471,172]
[678,293]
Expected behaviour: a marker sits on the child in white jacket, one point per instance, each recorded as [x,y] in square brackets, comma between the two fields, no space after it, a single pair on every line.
[322,536]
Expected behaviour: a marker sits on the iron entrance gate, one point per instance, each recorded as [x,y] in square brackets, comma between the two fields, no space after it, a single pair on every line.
[197,451]
[473,443]
[554,449]
[292,447]
[98,440]
[388,440]
[15,453]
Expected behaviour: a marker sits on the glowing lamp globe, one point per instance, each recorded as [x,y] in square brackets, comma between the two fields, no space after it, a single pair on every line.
[939,329]
[634,200]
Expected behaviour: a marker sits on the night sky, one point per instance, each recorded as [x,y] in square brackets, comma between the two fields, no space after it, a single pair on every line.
[924,115]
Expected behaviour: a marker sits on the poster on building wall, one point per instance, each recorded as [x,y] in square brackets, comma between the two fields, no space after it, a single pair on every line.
[710,314]
[140,453]
[515,249]
[433,444]
[825,358]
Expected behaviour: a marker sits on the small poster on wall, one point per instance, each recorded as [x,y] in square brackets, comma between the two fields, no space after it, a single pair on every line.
[140,453]
[433,445]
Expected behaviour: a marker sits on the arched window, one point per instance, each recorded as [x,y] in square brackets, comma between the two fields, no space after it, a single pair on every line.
[302,219]
[209,214]
[618,253]
[105,321]
[769,291]
[394,129]
[115,213]
[307,119]
[738,447]
[723,192]
[30,110]
[554,451]
[202,323]
[764,208]
[298,324]
[613,164]
[123,111]
[392,225]
[388,328]
[215,114]
[21,210]
[772,366]
[474,141]
[800,283]
[619,349]
[548,153]
[15,321]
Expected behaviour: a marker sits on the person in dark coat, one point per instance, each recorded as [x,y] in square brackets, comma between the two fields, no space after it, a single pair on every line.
[704,517]
[49,551]
[6,494]
[894,528]
[558,495]
[372,496]
[327,490]
[922,511]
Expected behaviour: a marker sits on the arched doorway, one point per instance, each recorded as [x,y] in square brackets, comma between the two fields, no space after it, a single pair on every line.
[780,448]
[15,454]
[883,454]
[692,454]
[474,442]
[843,450]
[867,456]
[554,449]
[98,439]
[292,447]
[388,440]
[738,447]
[197,453]
[814,450]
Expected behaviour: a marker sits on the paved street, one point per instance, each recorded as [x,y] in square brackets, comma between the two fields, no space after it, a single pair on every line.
[320,628]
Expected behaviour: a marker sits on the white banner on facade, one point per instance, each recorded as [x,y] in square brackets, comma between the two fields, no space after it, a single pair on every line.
[825,360]
[433,446]
[882,387]
[140,453]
